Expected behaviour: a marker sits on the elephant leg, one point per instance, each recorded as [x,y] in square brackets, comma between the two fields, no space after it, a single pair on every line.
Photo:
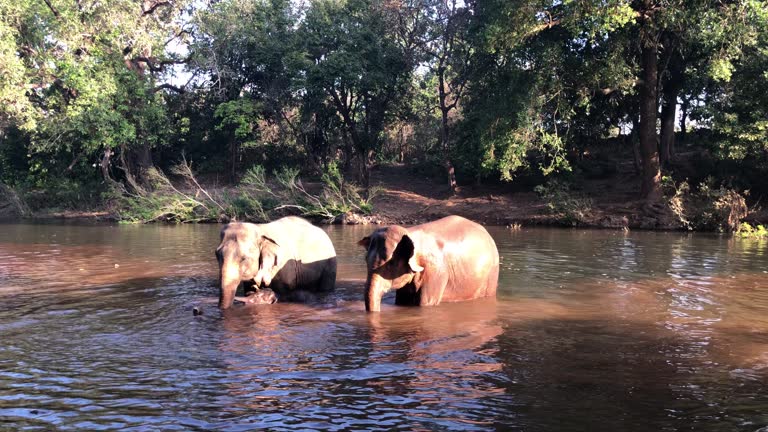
[327,280]
[282,290]
[408,296]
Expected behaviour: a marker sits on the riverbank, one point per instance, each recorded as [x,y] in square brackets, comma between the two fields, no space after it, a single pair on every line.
[408,197]
[608,202]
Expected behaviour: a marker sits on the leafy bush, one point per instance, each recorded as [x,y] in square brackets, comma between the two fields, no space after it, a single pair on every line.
[61,194]
[256,198]
[748,231]
[259,198]
[11,204]
[166,202]
[706,208]
[570,207]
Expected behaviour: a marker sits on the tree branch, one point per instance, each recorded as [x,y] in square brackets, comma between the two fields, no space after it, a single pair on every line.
[156,65]
[541,27]
[177,35]
[150,9]
[167,86]
[53,9]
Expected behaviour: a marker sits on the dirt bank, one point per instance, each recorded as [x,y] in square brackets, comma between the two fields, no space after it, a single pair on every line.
[408,198]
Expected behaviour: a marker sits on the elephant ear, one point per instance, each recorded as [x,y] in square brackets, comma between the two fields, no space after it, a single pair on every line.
[406,250]
[268,247]
[268,239]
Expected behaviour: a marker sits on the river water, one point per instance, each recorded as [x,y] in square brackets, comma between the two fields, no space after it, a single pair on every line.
[592,330]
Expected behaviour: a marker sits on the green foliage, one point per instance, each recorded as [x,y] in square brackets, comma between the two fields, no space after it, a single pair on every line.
[239,116]
[167,203]
[257,198]
[262,199]
[356,68]
[707,208]
[78,79]
[498,87]
[570,207]
[757,231]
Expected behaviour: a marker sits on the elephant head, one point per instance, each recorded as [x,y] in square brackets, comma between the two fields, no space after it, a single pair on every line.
[392,261]
[244,254]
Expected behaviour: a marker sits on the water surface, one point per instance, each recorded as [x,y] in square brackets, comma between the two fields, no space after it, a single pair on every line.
[592,330]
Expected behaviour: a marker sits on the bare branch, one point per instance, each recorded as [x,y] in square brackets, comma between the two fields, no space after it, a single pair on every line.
[53,9]
[156,65]
[186,170]
[177,35]
[149,9]
[167,86]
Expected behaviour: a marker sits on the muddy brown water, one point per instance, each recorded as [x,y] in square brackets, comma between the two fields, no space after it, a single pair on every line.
[592,330]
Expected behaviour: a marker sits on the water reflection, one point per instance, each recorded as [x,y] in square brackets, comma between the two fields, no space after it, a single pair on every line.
[592,330]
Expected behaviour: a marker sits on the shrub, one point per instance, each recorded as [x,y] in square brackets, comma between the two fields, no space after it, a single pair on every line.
[748,231]
[706,208]
[569,206]
[257,198]
[11,204]
[167,203]
[62,194]
[287,193]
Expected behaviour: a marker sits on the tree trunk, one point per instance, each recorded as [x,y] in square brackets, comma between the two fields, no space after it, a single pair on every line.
[651,173]
[446,153]
[143,156]
[669,108]
[105,162]
[128,168]
[683,117]
[668,111]
[233,159]
[364,173]
[634,138]
[444,143]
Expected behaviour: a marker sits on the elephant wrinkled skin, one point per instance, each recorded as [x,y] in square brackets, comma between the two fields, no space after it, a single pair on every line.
[287,255]
[450,259]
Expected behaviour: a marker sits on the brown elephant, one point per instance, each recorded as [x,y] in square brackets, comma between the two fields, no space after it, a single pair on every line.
[287,255]
[450,259]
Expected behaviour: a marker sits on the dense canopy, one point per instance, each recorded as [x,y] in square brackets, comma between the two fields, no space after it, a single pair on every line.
[94,95]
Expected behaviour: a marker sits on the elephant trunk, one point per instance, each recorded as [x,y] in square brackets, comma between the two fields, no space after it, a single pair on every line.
[375,287]
[228,283]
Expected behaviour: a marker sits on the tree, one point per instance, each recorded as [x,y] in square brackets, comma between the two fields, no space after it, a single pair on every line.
[434,33]
[543,75]
[580,52]
[82,91]
[355,64]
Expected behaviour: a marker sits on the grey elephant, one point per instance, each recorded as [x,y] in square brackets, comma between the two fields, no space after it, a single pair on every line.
[288,255]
